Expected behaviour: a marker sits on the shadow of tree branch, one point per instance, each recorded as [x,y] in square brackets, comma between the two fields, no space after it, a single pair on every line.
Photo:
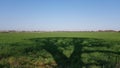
[75,60]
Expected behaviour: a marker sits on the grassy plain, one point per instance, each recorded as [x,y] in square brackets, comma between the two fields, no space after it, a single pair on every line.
[73,50]
[19,36]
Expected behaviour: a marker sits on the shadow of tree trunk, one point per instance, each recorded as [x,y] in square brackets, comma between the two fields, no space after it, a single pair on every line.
[75,60]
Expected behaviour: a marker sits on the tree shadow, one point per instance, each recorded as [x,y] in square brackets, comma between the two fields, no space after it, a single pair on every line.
[87,52]
[66,52]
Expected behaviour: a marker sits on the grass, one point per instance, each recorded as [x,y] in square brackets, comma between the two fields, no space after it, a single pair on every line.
[60,49]
[16,37]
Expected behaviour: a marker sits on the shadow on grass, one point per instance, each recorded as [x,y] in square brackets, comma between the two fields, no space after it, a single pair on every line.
[66,52]
[81,47]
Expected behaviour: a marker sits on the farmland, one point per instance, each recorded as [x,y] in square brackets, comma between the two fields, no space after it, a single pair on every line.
[60,50]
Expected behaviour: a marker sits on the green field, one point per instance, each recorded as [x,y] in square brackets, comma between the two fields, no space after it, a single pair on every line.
[60,50]
[15,37]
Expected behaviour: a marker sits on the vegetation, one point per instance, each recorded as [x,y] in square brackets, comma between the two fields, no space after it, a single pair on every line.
[60,50]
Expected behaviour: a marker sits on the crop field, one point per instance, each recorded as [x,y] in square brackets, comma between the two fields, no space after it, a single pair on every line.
[60,50]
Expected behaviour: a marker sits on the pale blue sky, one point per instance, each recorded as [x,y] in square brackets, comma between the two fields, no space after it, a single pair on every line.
[59,14]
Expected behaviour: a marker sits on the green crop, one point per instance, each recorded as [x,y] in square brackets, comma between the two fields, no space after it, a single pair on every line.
[60,50]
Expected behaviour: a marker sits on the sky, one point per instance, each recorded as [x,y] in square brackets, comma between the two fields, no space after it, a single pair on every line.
[50,15]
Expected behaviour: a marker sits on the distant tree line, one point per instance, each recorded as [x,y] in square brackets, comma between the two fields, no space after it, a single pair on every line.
[108,31]
[8,31]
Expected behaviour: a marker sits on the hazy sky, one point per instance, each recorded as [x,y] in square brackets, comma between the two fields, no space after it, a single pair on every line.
[59,14]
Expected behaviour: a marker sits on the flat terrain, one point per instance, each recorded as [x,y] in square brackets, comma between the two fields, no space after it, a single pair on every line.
[16,37]
[60,50]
